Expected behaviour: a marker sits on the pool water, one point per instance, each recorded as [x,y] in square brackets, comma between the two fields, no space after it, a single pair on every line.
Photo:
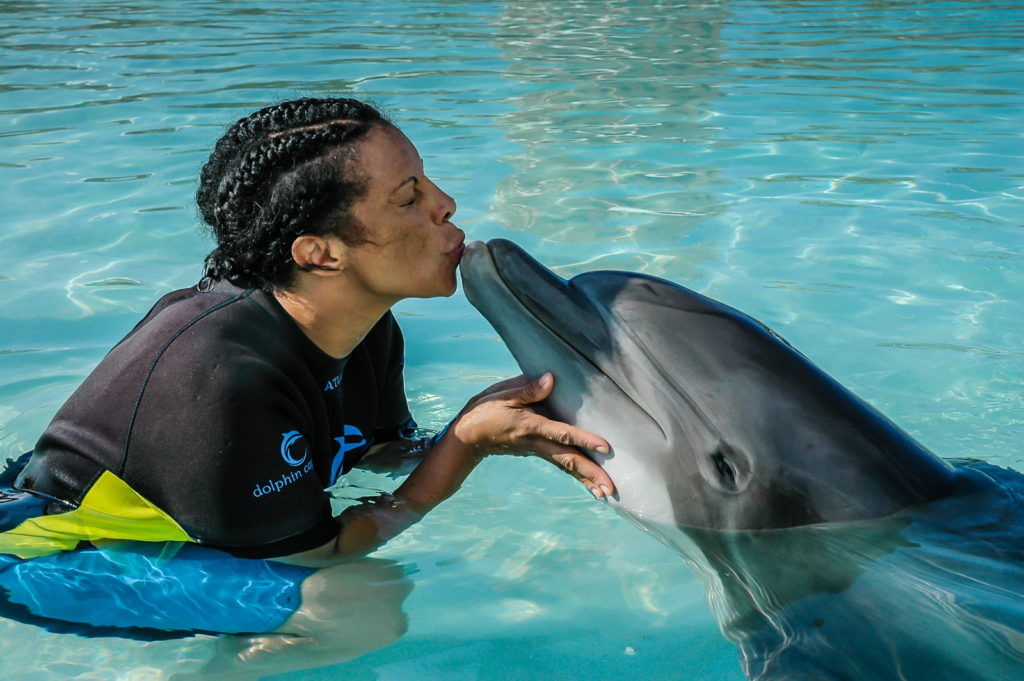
[851,173]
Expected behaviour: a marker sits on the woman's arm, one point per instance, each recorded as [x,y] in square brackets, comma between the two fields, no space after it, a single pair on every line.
[397,457]
[499,420]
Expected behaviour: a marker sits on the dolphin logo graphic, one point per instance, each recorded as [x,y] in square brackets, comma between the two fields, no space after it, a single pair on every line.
[288,440]
[352,439]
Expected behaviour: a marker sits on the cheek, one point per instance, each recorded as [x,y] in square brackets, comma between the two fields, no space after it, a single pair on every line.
[404,248]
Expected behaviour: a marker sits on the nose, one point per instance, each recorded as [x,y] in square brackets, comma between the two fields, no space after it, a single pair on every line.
[445,208]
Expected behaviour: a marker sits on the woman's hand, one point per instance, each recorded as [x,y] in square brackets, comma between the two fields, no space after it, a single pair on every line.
[502,419]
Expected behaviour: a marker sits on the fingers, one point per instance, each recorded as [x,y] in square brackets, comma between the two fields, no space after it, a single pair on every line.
[514,383]
[536,390]
[567,435]
[521,390]
[509,383]
[576,464]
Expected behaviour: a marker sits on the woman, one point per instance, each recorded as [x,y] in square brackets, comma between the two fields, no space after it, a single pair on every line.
[222,417]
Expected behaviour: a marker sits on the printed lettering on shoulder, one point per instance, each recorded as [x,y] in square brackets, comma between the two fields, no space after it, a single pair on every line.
[295,453]
[333,384]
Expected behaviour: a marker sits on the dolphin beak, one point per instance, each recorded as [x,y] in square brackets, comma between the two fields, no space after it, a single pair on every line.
[552,300]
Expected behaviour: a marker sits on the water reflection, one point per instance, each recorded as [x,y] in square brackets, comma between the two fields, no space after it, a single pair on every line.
[612,117]
[347,610]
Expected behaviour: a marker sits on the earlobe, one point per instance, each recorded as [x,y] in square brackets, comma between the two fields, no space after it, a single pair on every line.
[319,255]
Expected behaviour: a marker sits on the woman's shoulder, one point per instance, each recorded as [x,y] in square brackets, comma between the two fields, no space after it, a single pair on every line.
[176,311]
[218,311]
[202,328]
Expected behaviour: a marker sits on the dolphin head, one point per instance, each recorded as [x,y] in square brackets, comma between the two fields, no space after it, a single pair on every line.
[715,421]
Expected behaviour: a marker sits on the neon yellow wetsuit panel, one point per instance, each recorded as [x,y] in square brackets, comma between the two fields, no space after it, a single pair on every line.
[110,510]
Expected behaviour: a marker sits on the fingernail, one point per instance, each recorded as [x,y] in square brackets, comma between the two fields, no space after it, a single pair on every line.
[598,493]
[607,492]
[601,449]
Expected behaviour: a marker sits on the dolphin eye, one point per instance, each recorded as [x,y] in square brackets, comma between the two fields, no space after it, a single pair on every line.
[726,472]
[725,468]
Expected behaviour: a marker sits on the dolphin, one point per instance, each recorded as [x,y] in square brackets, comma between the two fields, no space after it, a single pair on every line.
[831,544]
[715,421]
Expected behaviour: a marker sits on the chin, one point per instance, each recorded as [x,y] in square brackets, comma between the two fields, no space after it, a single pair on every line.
[453,283]
[444,289]
[451,288]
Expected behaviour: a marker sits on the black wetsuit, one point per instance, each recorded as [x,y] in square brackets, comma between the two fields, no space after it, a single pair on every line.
[219,412]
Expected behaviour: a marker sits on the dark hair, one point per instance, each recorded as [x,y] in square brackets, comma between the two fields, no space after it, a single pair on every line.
[277,174]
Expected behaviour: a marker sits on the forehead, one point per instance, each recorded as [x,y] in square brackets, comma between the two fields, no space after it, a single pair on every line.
[387,158]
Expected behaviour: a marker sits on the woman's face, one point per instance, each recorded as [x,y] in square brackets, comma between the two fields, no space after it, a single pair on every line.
[413,249]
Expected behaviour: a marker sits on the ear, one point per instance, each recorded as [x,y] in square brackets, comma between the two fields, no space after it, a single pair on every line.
[323,255]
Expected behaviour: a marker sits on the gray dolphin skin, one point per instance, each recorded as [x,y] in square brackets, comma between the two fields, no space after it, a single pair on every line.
[832,546]
[715,422]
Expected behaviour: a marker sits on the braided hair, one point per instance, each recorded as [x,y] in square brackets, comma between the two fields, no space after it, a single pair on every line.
[281,172]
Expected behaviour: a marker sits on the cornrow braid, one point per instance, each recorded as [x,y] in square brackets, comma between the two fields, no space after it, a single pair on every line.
[281,172]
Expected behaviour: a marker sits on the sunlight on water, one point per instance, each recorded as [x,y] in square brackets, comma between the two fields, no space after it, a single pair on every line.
[848,173]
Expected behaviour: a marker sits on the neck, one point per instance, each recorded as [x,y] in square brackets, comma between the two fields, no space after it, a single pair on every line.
[334,321]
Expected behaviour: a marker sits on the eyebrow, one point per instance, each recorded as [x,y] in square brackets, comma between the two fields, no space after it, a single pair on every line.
[411,178]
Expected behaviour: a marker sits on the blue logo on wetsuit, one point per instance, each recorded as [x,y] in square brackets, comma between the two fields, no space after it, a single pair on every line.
[352,439]
[291,442]
[288,440]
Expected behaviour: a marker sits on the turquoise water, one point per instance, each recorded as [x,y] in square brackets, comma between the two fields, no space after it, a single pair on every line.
[850,173]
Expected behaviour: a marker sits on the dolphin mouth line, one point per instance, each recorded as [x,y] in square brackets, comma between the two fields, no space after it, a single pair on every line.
[526,306]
